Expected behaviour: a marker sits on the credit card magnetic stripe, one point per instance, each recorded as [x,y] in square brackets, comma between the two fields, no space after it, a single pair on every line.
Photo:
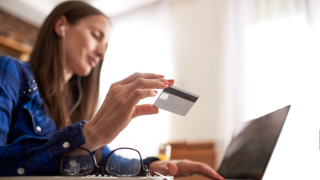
[181,94]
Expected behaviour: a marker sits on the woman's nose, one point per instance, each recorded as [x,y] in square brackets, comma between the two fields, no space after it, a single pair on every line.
[100,50]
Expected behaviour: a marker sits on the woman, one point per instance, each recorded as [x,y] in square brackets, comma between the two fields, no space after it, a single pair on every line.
[40,115]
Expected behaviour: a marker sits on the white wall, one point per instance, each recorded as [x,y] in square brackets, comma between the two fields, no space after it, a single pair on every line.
[196,49]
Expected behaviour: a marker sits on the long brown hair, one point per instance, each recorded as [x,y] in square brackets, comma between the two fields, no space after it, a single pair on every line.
[47,66]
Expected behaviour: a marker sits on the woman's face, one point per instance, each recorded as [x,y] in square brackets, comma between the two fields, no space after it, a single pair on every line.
[86,43]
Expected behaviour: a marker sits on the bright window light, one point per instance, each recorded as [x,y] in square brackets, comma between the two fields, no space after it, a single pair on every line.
[282,68]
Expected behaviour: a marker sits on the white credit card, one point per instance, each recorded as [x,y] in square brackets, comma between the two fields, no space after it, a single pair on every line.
[176,100]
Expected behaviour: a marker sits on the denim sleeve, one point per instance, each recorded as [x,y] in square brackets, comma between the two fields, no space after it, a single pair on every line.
[31,155]
[40,155]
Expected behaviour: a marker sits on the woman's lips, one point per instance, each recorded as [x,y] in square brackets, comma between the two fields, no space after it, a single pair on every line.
[92,62]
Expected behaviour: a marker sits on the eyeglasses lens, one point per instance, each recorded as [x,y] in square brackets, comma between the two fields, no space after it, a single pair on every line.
[124,162]
[78,163]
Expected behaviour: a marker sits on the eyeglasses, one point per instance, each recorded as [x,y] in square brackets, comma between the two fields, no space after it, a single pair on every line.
[82,162]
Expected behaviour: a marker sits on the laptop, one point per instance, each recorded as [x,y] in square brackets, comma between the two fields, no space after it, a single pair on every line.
[251,147]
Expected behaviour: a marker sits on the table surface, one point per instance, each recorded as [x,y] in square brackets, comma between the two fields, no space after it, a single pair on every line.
[83,177]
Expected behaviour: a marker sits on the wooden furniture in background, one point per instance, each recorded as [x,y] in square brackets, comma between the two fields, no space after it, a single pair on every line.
[16,37]
[201,152]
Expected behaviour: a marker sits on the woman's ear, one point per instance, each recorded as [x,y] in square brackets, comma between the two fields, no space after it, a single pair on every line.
[62,21]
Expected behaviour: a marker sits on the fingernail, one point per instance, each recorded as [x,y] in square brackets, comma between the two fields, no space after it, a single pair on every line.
[162,76]
[155,91]
[218,176]
[165,83]
[170,80]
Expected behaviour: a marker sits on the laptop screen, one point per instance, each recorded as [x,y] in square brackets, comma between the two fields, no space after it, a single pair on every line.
[252,145]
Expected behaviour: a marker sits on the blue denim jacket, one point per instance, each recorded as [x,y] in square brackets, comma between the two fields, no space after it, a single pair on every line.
[30,143]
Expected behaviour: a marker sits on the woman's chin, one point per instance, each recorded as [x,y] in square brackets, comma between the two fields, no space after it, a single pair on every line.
[84,72]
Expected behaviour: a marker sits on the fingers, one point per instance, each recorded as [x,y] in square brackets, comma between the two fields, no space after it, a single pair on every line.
[170,82]
[139,94]
[142,83]
[206,170]
[144,109]
[137,75]
[139,86]
[191,167]
[160,167]
[173,169]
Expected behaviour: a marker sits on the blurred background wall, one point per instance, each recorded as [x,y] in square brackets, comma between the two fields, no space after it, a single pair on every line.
[243,58]
[16,36]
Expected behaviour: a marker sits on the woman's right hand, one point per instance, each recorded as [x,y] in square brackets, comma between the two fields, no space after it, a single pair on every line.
[120,106]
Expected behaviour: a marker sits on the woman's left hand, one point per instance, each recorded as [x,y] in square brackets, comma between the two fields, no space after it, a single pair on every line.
[178,168]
